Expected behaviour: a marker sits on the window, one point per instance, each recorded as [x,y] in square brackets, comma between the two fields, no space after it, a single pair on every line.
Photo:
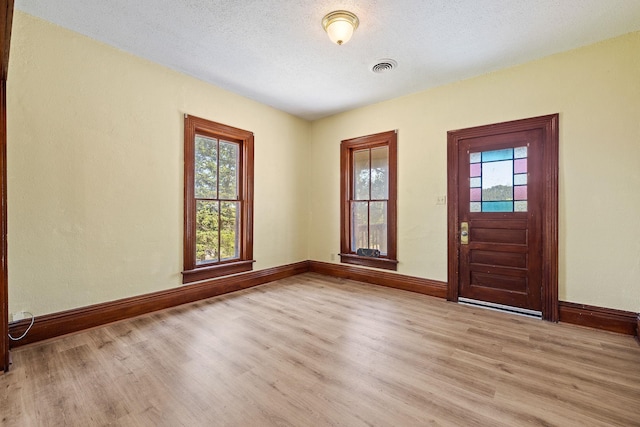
[368,179]
[218,200]
[498,180]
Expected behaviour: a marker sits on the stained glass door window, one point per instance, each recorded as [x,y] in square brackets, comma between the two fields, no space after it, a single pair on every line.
[498,180]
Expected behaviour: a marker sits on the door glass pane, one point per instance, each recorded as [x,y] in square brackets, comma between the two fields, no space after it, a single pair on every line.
[206,167]
[207,221]
[520,179]
[359,225]
[498,180]
[497,206]
[228,175]
[520,206]
[380,173]
[475,169]
[229,227]
[361,174]
[520,152]
[496,155]
[378,226]
[520,192]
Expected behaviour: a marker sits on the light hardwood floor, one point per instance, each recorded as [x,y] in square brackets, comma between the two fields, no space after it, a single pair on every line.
[317,351]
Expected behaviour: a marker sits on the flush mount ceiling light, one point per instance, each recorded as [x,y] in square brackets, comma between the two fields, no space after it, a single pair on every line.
[340,25]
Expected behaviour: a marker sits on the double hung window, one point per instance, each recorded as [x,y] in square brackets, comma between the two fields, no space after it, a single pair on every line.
[368,200]
[218,198]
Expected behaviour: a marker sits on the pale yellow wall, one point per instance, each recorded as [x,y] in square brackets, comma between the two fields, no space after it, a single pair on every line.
[595,89]
[95,168]
[95,171]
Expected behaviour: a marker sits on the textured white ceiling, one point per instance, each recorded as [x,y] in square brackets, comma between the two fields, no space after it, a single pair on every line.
[276,52]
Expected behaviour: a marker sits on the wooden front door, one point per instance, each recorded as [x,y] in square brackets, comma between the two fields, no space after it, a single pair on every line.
[503,214]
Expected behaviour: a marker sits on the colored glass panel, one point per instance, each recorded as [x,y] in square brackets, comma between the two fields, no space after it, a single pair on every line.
[520,166]
[497,155]
[520,192]
[497,206]
[520,179]
[520,152]
[498,180]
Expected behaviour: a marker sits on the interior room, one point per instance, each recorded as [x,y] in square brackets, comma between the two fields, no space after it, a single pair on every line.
[109,318]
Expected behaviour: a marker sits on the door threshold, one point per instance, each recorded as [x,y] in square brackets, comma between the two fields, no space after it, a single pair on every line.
[499,307]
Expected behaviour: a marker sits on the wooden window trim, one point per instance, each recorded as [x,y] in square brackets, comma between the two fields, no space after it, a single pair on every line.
[347,256]
[193,272]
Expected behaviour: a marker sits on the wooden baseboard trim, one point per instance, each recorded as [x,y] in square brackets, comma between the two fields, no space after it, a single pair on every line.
[608,319]
[65,322]
[408,283]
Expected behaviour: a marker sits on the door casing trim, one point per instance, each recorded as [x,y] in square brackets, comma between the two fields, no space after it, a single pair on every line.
[549,126]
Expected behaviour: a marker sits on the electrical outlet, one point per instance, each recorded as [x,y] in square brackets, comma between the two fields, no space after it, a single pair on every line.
[19,315]
[333,257]
[441,200]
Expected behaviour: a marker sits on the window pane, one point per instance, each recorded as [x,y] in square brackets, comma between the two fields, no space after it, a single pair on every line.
[520,166]
[359,225]
[206,156]
[520,192]
[228,175]
[497,181]
[520,179]
[378,226]
[497,206]
[206,231]
[520,206]
[520,152]
[475,169]
[495,155]
[229,226]
[361,175]
[502,175]
[380,173]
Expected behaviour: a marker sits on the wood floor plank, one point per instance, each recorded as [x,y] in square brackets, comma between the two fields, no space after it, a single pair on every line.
[312,350]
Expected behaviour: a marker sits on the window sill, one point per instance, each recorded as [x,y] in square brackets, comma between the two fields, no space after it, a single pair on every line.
[218,270]
[384,263]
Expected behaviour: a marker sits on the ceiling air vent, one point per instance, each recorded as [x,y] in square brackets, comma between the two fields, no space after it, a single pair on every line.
[384,65]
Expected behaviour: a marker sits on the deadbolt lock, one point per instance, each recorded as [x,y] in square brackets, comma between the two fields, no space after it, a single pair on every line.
[464,233]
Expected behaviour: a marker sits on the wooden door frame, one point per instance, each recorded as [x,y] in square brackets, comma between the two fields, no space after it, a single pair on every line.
[550,134]
[6,19]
